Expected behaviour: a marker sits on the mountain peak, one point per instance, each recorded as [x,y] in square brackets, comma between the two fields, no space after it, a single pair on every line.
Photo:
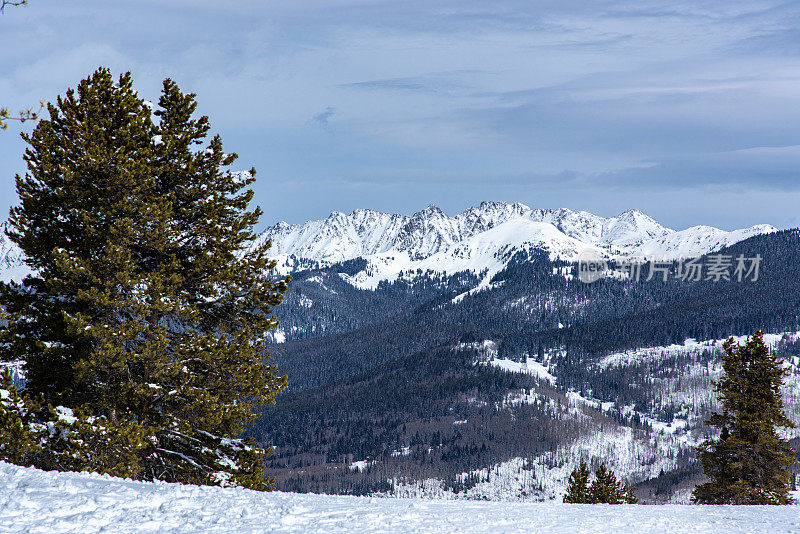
[632,227]
[635,216]
[494,204]
[432,209]
[363,211]
[631,211]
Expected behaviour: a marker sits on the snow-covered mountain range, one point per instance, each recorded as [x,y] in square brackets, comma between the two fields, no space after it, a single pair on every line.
[483,238]
[12,265]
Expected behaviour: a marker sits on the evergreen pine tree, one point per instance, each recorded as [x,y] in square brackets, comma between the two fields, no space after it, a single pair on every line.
[628,495]
[604,488]
[607,489]
[149,307]
[747,463]
[578,485]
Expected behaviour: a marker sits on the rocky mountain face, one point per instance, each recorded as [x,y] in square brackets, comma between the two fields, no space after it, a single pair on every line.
[483,238]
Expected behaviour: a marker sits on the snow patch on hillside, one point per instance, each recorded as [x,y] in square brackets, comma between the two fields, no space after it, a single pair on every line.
[633,455]
[689,347]
[487,349]
[277,335]
[484,285]
[529,366]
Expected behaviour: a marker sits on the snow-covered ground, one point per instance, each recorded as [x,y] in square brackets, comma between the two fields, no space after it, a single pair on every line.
[529,366]
[33,501]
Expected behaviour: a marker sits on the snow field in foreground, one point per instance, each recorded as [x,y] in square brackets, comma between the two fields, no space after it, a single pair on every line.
[33,501]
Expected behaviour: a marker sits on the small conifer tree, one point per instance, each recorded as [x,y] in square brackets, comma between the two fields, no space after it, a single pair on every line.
[604,488]
[628,495]
[747,463]
[578,485]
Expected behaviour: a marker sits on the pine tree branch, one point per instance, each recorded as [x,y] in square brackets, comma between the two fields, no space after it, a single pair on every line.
[4,3]
[23,115]
[27,114]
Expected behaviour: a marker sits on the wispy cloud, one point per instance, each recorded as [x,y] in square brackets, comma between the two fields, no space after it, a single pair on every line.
[323,118]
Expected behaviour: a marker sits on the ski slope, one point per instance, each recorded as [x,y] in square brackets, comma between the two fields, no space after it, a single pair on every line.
[33,501]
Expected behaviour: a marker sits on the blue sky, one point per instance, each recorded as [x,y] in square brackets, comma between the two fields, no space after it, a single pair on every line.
[687,111]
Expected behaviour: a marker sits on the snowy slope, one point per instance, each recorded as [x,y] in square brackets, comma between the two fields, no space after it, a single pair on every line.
[697,240]
[483,238]
[49,502]
[690,347]
[623,233]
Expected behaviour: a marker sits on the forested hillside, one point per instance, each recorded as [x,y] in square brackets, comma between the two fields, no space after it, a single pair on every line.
[432,378]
